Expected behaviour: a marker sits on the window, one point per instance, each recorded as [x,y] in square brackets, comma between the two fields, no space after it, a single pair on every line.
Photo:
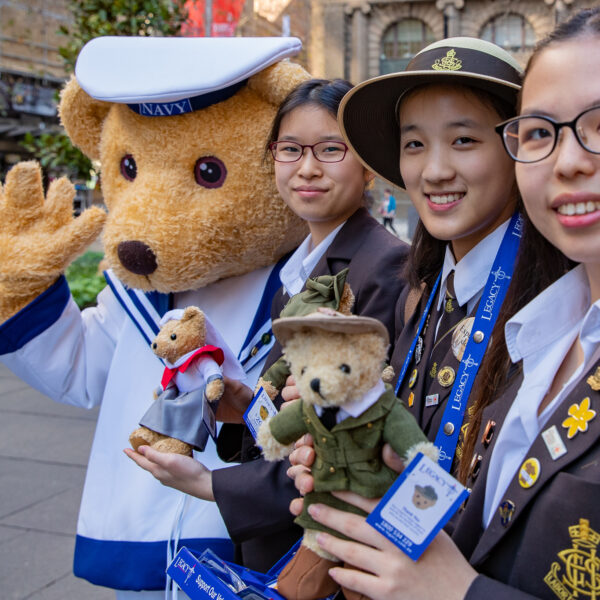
[510,31]
[401,41]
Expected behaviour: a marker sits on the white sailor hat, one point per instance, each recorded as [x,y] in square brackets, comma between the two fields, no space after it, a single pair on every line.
[161,76]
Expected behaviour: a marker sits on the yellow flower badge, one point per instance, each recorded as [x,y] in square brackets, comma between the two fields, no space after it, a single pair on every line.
[580,415]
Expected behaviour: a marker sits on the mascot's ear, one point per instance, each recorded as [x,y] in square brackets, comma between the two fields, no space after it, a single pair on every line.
[82,116]
[276,82]
[191,312]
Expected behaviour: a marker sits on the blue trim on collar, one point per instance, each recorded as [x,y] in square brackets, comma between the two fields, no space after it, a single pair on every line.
[134,565]
[161,302]
[143,313]
[35,318]
[186,105]
[263,312]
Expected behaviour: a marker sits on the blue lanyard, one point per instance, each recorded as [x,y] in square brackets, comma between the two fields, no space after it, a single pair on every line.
[411,350]
[487,313]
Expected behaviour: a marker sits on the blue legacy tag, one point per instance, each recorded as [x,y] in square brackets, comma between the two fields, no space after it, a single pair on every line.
[200,582]
[197,581]
[260,408]
[419,503]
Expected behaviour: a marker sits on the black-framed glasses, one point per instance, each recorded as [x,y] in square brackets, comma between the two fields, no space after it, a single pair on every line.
[327,152]
[532,138]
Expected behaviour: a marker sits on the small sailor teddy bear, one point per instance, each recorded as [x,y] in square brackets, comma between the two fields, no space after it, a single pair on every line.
[336,361]
[179,420]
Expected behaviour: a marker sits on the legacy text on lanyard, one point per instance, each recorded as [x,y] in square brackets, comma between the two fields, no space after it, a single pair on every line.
[487,313]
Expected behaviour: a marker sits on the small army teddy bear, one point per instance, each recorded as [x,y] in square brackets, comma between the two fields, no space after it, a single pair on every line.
[329,291]
[337,361]
[174,422]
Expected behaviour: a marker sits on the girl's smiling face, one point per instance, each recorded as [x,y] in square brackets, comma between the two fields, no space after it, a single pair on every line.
[454,167]
[323,194]
[562,192]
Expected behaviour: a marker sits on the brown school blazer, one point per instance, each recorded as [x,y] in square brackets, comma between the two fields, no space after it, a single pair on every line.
[549,548]
[429,418]
[254,497]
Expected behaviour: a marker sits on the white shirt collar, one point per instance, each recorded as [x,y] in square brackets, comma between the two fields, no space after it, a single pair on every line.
[357,407]
[300,265]
[551,314]
[472,271]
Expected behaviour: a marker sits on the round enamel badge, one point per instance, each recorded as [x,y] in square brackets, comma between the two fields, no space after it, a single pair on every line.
[529,472]
[446,376]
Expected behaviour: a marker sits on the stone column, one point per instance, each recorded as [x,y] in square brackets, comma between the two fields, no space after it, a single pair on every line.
[451,9]
[562,9]
[333,40]
[359,61]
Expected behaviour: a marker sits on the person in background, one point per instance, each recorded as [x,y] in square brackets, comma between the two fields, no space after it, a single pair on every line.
[388,210]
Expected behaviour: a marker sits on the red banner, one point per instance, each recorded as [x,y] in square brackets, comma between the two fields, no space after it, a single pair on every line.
[225,17]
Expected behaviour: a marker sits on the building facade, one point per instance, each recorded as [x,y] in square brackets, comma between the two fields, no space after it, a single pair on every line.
[31,72]
[357,39]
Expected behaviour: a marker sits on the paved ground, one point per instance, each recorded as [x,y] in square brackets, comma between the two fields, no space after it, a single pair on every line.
[44,448]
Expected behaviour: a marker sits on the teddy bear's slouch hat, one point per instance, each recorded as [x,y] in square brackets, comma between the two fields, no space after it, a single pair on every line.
[328,320]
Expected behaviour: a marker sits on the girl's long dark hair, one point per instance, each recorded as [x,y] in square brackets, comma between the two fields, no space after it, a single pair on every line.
[539,264]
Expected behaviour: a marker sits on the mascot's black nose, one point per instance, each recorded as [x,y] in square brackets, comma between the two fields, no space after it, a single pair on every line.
[315,385]
[137,257]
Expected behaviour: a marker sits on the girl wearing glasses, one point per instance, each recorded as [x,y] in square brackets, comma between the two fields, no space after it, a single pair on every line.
[323,183]
[531,527]
[430,130]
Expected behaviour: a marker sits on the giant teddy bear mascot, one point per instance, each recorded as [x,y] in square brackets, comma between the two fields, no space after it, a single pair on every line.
[178,125]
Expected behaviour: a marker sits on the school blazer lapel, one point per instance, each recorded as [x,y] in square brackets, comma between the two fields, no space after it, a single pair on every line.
[469,526]
[429,412]
[345,245]
[576,446]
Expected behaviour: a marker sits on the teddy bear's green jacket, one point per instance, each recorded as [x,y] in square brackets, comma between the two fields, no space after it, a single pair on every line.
[349,456]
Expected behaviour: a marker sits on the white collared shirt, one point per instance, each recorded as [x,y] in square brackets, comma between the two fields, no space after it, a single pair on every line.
[472,270]
[300,265]
[540,335]
[357,407]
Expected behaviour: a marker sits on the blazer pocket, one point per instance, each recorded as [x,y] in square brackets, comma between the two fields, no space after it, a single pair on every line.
[560,542]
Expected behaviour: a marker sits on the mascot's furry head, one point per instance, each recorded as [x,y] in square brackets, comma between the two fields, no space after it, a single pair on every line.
[190,199]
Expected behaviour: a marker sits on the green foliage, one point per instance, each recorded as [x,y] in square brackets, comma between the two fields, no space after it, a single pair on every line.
[83,278]
[93,18]
[58,156]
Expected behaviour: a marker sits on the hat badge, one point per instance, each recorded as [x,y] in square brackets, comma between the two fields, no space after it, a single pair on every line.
[448,62]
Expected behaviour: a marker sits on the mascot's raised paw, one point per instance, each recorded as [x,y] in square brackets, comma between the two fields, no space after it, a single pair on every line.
[38,236]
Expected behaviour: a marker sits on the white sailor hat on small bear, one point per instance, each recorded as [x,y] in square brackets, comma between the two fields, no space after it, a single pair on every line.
[164,76]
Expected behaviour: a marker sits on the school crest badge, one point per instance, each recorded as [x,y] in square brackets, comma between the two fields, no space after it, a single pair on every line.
[448,62]
[577,575]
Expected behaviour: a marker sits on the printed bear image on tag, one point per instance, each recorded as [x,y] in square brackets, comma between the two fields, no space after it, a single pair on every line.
[419,503]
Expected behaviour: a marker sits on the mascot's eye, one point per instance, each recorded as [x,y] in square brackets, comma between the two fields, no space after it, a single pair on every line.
[210,172]
[128,167]
[344,368]
[173,336]
[303,371]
